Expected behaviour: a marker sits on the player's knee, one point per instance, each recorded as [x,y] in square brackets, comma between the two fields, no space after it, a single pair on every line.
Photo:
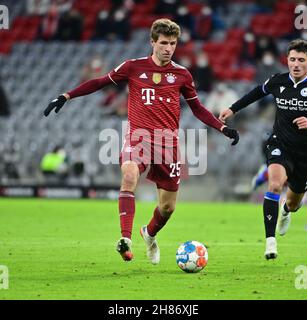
[129,180]
[292,205]
[275,187]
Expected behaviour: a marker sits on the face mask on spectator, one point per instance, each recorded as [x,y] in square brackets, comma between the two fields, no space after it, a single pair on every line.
[268,59]
[202,62]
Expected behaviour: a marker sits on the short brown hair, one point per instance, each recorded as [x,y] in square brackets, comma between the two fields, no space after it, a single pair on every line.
[165,27]
[298,45]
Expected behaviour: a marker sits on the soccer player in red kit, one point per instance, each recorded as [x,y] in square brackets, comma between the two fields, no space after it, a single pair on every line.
[155,85]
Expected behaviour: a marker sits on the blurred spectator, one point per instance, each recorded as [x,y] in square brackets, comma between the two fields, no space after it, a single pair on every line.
[112,25]
[38,7]
[70,26]
[11,158]
[49,24]
[185,61]
[78,175]
[54,165]
[220,97]
[184,18]
[4,103]
[115,101]
[102,25]
[263,44]
[219,5]
[265,5]
[248,48]
[268,66]
[93,69]
[63,5]
[203,73]
[121,25]
[167,7]
[203,23]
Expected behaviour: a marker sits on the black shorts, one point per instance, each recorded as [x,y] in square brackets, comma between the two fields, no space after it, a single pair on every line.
[294,163]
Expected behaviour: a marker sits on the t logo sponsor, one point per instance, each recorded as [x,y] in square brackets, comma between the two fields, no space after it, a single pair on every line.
[149,95]
[282,89]
[4,17]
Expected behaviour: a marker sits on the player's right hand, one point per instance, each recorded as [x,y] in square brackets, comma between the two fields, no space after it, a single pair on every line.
[225,114]
[56,104]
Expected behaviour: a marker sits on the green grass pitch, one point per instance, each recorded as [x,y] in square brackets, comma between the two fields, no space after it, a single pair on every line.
[66,250]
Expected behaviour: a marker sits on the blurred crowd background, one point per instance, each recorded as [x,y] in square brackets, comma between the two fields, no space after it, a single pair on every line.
[53,45]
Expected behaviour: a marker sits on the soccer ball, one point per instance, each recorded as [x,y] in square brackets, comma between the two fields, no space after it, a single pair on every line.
[192,256]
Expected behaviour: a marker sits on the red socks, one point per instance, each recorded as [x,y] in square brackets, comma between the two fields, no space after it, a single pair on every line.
[126,204]
[156,223]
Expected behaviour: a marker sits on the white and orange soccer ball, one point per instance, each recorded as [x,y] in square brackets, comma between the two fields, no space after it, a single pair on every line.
[192,256]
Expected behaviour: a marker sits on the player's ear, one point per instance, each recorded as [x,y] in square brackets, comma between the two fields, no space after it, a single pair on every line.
[152,42]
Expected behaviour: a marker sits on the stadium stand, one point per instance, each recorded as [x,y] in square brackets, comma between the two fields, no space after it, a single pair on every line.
[34,71]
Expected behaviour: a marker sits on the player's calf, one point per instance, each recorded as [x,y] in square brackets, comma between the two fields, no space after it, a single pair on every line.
[285,217]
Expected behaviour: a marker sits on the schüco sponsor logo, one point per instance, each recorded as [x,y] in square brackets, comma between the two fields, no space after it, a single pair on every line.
[292,102]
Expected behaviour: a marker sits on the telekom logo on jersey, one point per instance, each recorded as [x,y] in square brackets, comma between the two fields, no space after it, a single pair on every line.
[149,95]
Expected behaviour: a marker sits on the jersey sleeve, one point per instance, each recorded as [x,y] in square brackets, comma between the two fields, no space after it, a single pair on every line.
[268,85]
[188,88]
[121,72]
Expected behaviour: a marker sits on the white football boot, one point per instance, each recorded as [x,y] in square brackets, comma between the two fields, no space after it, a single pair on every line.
[153,251]
[271,248]
[284,220]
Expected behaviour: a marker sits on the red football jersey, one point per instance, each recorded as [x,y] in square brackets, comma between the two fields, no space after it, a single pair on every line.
[154,93]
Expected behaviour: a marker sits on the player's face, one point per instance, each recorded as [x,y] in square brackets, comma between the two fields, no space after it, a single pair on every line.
[297,63]
[163,49]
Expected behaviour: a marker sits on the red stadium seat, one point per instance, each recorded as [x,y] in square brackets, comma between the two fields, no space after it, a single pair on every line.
[273,25]
[245,74]
[195,8]
[285,7]
[145,21]
[235,34]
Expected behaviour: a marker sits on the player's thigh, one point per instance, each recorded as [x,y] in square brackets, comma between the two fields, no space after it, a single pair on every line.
[167,200]
[297,179]
[277,176]
[293,199]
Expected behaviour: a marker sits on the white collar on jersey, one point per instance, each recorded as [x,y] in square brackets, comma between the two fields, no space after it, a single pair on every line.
[296,83]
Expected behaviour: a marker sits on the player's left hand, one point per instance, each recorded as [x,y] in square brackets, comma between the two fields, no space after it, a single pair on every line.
[301,122]
[232,134]
[56,104]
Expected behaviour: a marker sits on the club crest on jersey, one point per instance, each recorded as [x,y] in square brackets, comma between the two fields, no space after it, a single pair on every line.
[304,92]
[156,78]
[170,78]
